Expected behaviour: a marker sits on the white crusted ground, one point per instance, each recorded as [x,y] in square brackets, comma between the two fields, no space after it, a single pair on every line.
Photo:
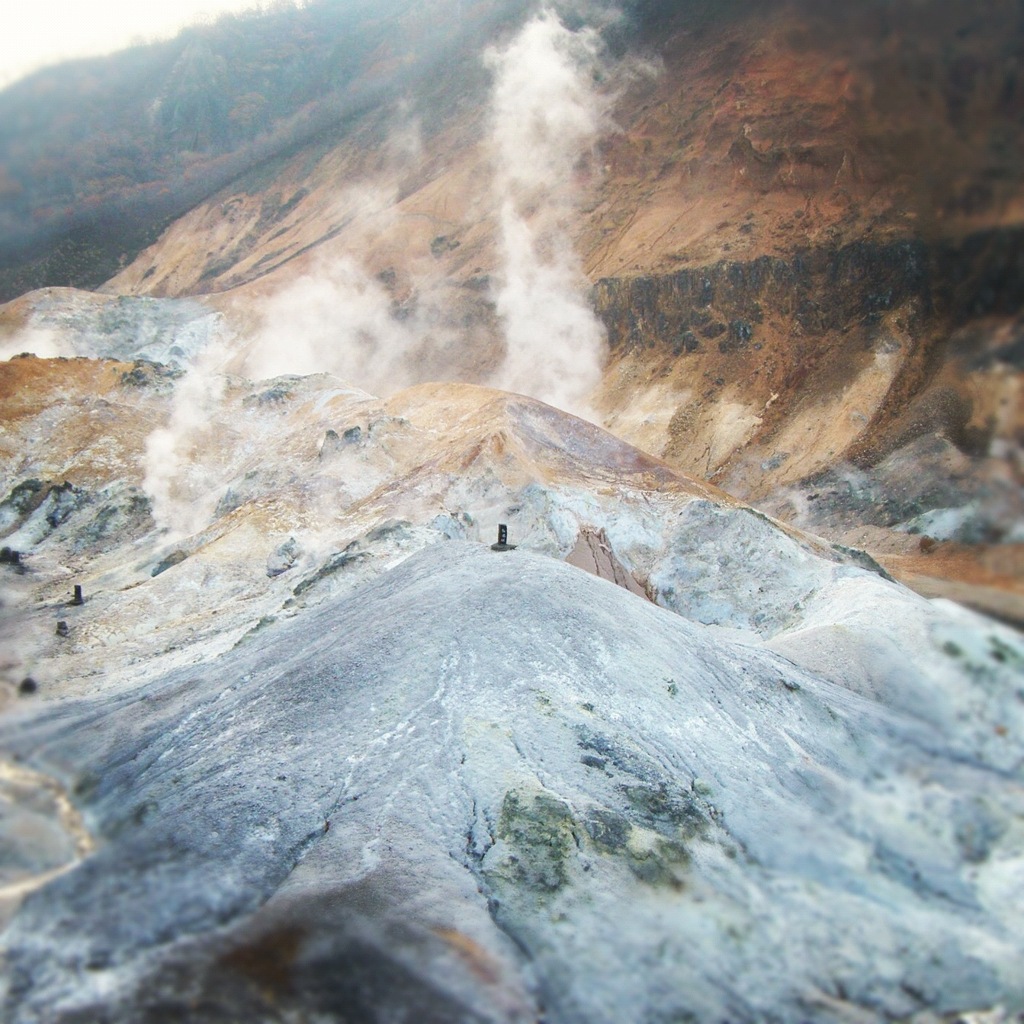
[341,761]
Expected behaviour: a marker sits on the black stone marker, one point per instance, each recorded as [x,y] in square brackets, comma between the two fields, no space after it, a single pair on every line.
[63,629]
[78,598]
[503,544]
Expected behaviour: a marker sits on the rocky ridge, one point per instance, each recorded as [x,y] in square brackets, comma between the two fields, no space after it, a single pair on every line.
[332,754]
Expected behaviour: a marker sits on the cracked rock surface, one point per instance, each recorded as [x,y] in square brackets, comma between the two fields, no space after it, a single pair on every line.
[489,786]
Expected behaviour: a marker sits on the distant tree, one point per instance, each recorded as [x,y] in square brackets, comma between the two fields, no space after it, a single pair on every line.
[190,112]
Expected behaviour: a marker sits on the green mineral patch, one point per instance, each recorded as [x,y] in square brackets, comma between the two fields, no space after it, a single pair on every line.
[657,861]
[544,703]
[1004,653]
[666,811]
[608,830]
[540,833]
[652,858]
[173,559]
[337,561]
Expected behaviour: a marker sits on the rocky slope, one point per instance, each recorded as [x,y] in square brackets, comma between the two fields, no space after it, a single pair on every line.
[800,233]
[283,737]
[320,751]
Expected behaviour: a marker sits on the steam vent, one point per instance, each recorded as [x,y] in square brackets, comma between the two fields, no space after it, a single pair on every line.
[515,513]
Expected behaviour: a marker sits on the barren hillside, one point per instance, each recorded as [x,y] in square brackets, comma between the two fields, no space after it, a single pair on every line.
[517,514]
[801,234]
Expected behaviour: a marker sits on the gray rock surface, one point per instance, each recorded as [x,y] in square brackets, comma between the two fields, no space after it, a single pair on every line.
[411,779]
[496,788]
[126,327]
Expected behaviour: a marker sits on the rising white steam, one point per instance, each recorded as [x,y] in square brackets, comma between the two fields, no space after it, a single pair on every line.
[38,341]
[546,118]
[337,320]
[181,488]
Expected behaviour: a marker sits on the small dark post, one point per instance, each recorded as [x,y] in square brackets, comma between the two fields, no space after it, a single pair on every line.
[503,544]
[78,598]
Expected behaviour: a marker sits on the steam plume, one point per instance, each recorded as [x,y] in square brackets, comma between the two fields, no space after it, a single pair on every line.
[180,487]
[336,321]
[38,341]
[546,118]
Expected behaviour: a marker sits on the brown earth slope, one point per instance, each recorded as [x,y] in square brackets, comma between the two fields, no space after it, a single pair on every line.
[803,236]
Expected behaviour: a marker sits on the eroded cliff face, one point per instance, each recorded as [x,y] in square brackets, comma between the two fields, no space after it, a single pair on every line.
[825,271]
[802,236]
[879,343]
[800,229]
[869,393]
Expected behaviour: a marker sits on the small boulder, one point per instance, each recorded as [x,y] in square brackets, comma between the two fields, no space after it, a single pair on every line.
[174,558]
[282,558]
[331,444]
[334,442]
